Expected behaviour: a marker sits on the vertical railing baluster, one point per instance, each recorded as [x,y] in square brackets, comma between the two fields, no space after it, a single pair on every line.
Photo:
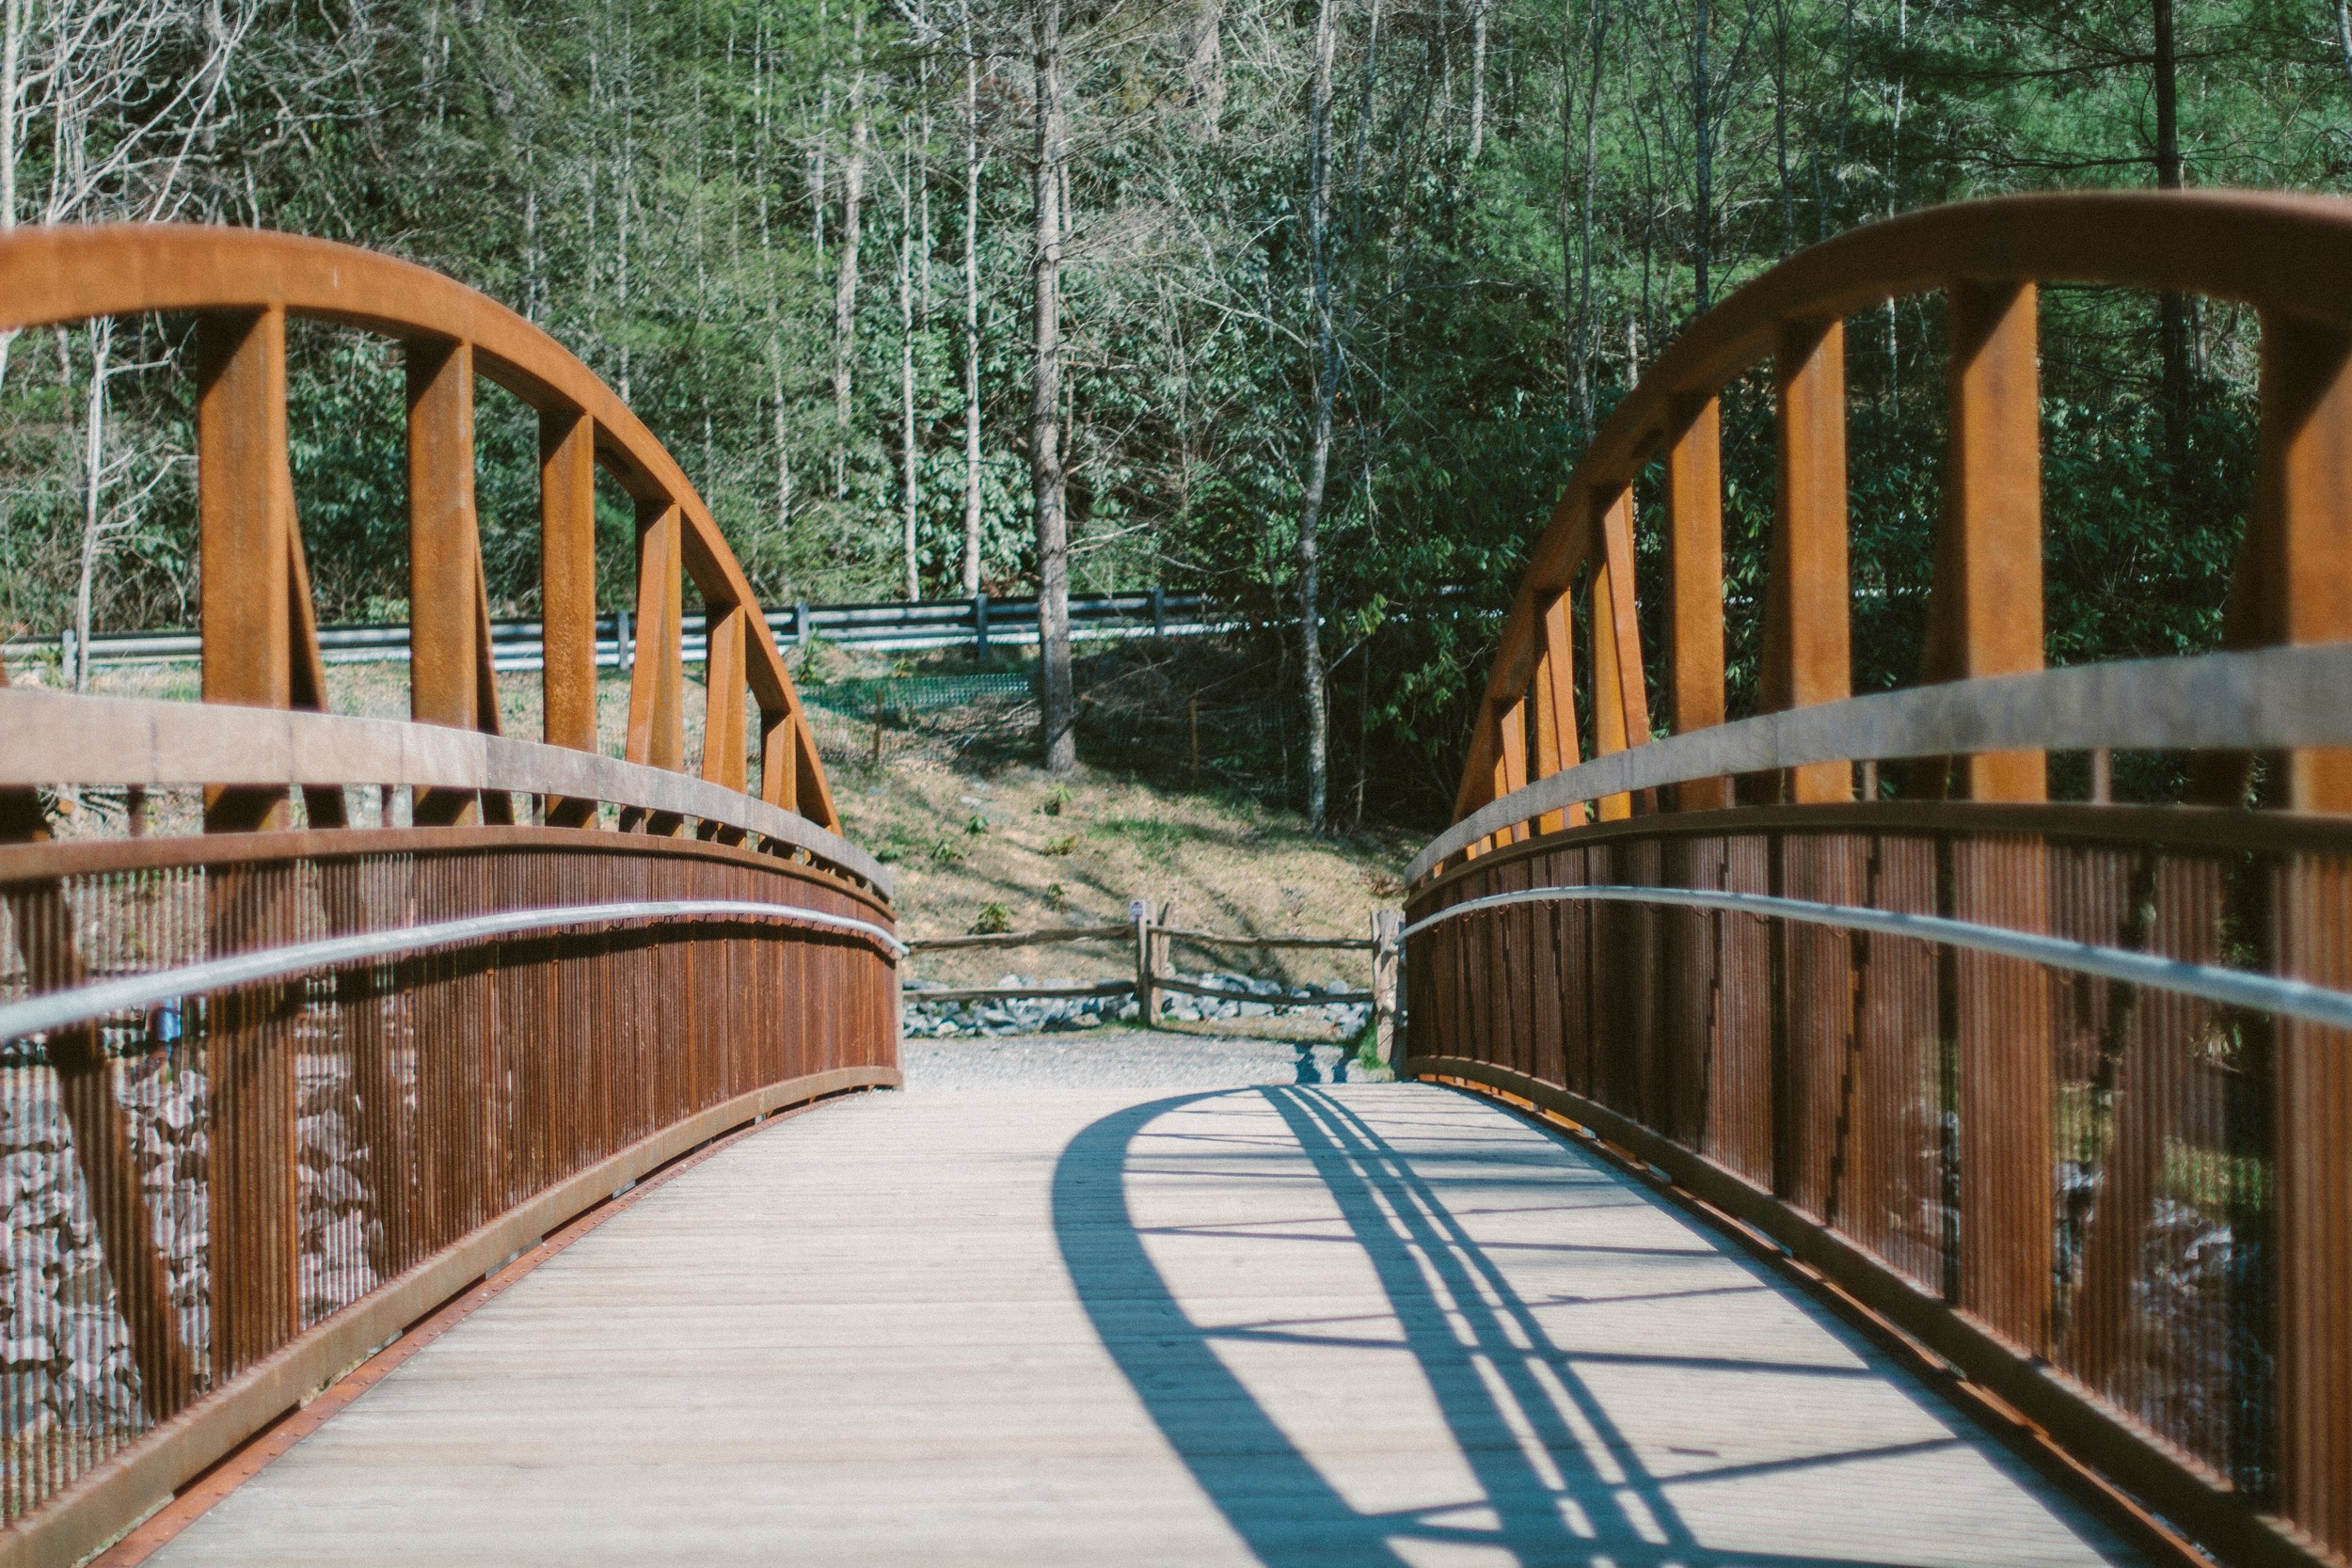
[1985,619]
[725,759]
[1620,689]
[779,759]
[1608,710]
[444,556]
[567,593]
[249,1079]
[497,805]
[249,559]
[245,527]
[1620,702]
[657,697]
[1985,615]
[1510,768]
[1478,777]
[323,805]
[1807,653]
[2294,584]
[725,688]
[1554,694]
[1694,553]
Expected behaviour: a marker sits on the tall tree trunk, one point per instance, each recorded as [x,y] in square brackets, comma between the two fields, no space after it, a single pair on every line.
[1323,387]
[2172,307]
[763,158]
[1780,126]
[783,451]
[93,474]
[971,311]
[1207,67]
[1478,79]
[1580,307]
[845,281]
[923,199]
[1703,123]
[1056,703]
[2344,35]
[13,19]
[624,200]
[909,482]
[12,24]
[1894,185]
[817,185]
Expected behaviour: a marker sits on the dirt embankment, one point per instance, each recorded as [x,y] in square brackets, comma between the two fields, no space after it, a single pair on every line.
[979,837]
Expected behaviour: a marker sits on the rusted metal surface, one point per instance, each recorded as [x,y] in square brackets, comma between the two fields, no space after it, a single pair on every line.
[292,1148]
[246,283]
[2092,1174]
[431,1044]
[148,743]
[2137,1191]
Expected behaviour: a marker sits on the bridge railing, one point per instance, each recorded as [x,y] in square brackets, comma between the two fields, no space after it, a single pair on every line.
[271,1092]
[2064,1090]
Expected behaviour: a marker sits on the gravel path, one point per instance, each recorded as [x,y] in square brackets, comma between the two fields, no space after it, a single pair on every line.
[1118,1058]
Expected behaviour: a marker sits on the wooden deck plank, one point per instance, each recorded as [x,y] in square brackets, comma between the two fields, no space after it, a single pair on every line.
[1294,1327]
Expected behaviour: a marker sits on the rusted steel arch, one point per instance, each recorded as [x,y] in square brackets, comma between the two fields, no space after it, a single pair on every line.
[1764,989]
[57,274]
[288,1090]
[2284,256]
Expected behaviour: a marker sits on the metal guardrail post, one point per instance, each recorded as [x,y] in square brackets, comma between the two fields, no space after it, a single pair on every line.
[980,629]
[1159,610]
[800,622]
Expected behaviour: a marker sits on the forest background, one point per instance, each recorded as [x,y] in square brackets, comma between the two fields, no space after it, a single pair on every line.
[1343,286]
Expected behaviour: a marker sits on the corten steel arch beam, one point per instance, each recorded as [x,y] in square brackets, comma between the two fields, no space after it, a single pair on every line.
[2285,256]
[1776,1058]
[491,1067]
[244,284]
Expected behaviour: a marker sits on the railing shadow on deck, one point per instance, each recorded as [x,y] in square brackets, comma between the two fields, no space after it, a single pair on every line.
[1285,1506]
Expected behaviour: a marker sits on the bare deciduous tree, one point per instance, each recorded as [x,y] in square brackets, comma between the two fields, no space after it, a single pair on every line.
[1056,702]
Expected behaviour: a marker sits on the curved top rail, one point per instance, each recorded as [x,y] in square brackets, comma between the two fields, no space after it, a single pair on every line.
[55,275]
[2284,255]
[150,742]
[2269,698]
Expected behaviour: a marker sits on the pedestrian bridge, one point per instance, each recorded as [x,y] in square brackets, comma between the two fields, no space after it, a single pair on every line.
[424,1144]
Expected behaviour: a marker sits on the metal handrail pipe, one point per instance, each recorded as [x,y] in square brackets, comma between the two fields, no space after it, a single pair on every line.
[2234,987]
[82,1003]
[2270,698]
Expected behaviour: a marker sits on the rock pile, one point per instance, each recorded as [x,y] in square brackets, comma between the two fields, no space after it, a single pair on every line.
[1052,1015]
[65,1350]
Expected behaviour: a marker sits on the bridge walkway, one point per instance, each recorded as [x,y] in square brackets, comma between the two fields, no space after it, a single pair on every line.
[1360,1324]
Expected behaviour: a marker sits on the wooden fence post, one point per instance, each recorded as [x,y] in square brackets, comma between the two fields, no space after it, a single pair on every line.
[1387,955]
[1146,992]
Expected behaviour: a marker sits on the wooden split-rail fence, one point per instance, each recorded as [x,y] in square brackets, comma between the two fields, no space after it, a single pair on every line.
[1154,979]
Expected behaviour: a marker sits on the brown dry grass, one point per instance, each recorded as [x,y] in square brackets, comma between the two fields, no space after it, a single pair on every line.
[973,834]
